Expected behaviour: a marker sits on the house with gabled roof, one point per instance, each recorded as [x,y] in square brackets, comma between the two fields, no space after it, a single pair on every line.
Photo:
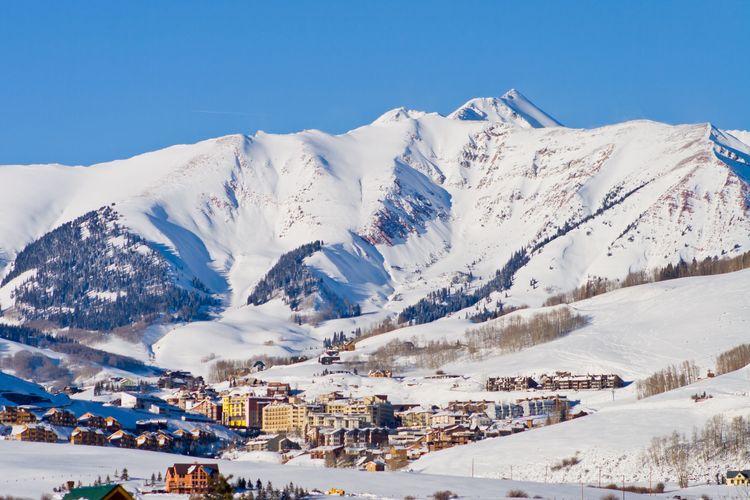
[738,477]
[88,436]
[190,478]
[34,432]
[61,417]
[104,492]
[122,439]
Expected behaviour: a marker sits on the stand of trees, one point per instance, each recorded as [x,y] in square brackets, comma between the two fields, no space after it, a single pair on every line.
[733,359]
[506,334]
[442,302]
[296,282]
[671,377]
[707,267]
[720,438]
[515,333]
[75,351]
[94,274]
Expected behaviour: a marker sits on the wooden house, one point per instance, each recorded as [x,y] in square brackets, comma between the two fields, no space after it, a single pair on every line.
[111,424]
[122,439]
[58,416]
[375,466]
[146,441]
[88,419]
[34,432]
[190,478]
[15,415]
[88,436]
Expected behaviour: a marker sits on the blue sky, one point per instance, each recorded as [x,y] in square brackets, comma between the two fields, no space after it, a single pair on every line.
[84,82]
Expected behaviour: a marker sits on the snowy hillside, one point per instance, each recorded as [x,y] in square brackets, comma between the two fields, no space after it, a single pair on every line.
[633,332]
[412,203]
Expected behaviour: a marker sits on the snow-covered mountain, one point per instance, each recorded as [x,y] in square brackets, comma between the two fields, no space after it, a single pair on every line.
[408,204]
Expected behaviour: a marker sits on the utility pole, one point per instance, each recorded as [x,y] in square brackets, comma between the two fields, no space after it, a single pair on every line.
[472,467]
[623,487]
[511,472]
[600,477]
[581,489]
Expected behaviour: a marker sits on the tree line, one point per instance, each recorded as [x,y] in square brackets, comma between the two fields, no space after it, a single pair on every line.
[295,282]
[94,274]
[720,438]
[707,267]
[514,333]
[440,303]
[667,379]
[733,359]
[506,334]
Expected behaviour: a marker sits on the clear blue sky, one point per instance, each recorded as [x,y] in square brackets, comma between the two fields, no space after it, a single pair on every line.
[83,82]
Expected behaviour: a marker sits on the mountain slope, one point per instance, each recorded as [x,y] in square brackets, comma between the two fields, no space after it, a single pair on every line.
[413,203]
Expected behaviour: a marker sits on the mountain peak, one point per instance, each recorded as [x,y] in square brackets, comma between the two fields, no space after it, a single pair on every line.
[399,114]
[512,107]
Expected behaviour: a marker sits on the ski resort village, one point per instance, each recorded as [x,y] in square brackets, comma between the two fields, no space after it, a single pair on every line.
[157,340]
[543,293]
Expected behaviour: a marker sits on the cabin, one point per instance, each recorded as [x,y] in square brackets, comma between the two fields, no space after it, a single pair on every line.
[738,477]
[88,436]
[58,416]
[190,478]
[111,424]
[104,492]
[380,373]
[122,439]
[375,466]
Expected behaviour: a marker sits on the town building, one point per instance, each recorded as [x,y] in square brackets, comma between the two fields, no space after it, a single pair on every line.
[34,432]
[111,424]
[88,419]
[58,416]
[566,381]
[271,442]
[243,410]
[17,415]
[146,441]
[510,384]
[88,436]
[278,390]
[122,439]
[209,408]
[284,417]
